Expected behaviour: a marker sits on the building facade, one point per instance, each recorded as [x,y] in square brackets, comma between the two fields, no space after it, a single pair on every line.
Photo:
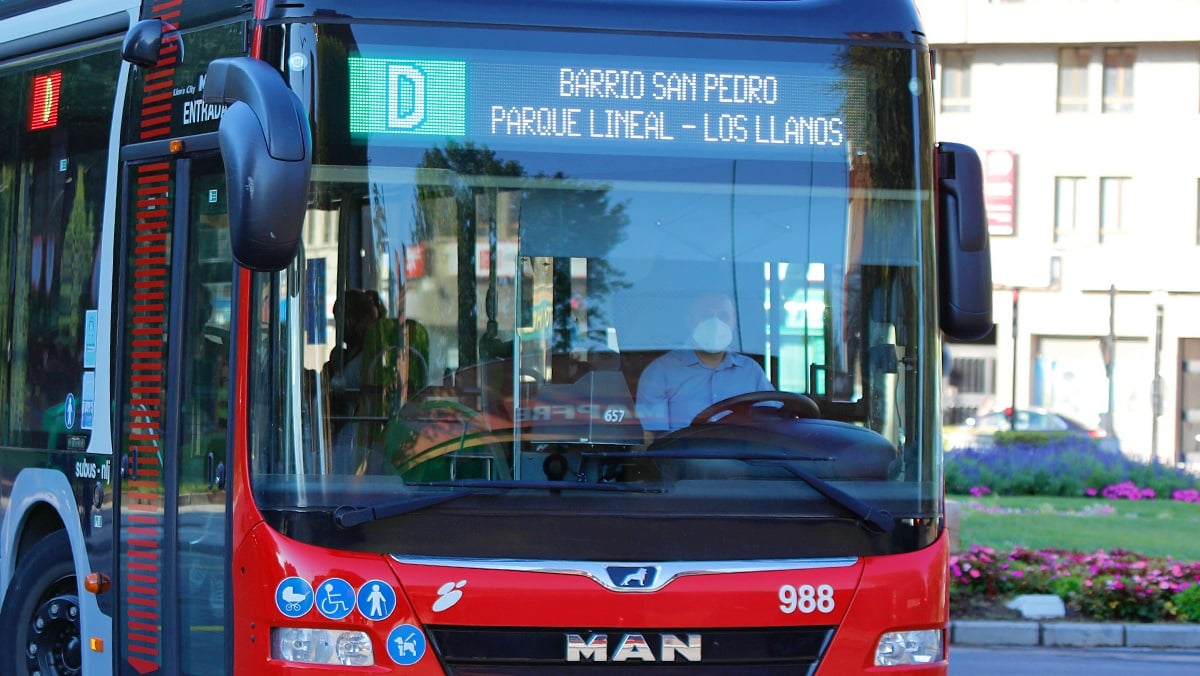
[1086,114]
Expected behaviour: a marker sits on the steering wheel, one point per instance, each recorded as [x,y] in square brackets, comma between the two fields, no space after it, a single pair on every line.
[536,375]
[739,407]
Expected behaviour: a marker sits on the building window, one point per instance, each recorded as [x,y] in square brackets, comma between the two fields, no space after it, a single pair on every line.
[1073,79]
[1066,206]
[1114,206]
[1118,79]
[956,81]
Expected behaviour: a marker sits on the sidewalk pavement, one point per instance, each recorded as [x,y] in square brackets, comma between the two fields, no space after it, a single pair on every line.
[1058,634]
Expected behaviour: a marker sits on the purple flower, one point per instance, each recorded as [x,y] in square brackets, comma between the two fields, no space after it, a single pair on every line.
[1186,495]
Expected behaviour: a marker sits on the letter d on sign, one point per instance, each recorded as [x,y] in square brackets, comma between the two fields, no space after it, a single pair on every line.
[402,81]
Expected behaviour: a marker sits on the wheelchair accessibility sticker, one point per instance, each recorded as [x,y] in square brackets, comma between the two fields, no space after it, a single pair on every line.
[335,598]
[376,600]
[294,597]
[406,645]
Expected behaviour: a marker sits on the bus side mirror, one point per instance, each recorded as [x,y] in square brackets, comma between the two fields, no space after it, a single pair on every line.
[144,39]
[267,148]
[964,257]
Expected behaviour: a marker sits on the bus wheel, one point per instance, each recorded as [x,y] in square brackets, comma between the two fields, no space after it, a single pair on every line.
[41,612]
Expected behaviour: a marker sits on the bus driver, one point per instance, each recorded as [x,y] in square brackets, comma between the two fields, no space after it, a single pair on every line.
[681,383]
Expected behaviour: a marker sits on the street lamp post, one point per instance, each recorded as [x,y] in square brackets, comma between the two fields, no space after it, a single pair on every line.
[1156,392]
[1110,360]
[1012,412]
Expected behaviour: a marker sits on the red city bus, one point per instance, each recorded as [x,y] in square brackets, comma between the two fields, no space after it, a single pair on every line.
[469,337]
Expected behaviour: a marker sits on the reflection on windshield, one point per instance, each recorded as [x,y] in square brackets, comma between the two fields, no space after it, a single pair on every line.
[473,319]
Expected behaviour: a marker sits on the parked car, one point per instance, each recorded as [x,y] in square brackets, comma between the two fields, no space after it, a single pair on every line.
[981,430]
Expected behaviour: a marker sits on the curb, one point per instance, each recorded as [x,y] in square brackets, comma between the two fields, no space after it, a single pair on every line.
[1074,634]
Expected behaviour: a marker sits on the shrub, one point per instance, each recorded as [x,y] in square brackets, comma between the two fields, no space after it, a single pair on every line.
[1102,585]
[1124,586]
[1187,604]
[1036,438]
[1065,467]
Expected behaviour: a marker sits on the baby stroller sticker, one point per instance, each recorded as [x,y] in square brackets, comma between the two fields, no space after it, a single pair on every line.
[294,597]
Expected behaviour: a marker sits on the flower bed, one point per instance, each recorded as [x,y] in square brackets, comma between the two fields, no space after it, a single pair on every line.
[1112,584]
[1101,585]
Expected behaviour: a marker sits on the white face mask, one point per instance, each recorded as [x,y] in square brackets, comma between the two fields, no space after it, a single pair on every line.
[712,335]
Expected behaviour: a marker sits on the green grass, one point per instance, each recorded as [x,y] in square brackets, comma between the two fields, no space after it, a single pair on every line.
[1150,527]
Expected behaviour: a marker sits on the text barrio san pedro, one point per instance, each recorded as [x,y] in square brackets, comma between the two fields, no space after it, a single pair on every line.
[641,105]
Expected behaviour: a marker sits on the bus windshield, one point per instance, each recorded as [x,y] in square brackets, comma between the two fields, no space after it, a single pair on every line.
[554,282]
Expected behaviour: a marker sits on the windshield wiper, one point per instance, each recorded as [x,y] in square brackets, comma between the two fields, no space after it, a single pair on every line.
[870,517]
[348,517]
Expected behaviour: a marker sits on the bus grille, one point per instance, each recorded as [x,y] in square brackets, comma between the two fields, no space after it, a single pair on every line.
[474,651]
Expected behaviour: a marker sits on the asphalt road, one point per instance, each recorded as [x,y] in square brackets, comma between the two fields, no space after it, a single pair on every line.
[977,661]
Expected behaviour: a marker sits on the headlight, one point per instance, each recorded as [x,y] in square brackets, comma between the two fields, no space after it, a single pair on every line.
[322,646]
[909,647]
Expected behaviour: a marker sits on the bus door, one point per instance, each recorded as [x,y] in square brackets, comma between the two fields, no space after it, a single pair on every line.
[176,272]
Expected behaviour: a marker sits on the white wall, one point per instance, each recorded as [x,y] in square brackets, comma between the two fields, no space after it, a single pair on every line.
[1013,107]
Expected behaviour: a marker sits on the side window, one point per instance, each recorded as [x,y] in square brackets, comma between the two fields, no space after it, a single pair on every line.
[1073,79]
[9,165]
[956,81]
[55,135]
[1025,421]
[203,414]
[207,321]
[992,421]
[1039,421]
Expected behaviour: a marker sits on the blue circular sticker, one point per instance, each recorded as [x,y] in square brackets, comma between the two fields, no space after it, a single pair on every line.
[406,645]
[69,411]
[294,597]
[376,600]
[335,598]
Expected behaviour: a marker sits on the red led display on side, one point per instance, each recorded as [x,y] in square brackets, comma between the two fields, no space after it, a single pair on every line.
[47,92]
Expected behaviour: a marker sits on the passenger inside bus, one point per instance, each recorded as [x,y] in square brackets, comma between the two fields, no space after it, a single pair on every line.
[683,382]
[355,313]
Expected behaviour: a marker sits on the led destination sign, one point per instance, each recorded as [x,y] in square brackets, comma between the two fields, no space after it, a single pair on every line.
[590,105]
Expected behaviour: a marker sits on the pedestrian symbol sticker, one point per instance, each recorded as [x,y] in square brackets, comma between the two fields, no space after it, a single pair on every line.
[406,645]
[376,600]
[69,411]
[294,597]
[335,598]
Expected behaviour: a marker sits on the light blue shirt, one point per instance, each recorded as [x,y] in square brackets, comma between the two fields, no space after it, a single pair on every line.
[677,386]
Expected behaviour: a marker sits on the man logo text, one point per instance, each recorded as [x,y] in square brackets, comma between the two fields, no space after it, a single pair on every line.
[594,648]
